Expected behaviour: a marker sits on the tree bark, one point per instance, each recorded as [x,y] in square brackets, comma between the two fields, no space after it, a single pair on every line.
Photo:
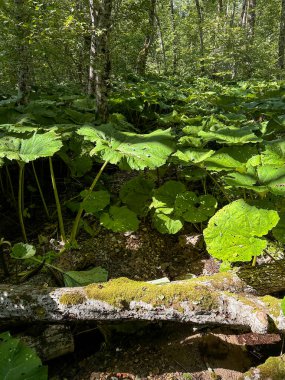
[161,40]
[51,342]
[281,55]
[243,17]
[143,54]
[175,40]
[223,299]
[251,18]
[22,17]
[100,64]
[201,34]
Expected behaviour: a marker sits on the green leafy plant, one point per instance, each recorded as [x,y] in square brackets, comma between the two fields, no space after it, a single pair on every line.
[19,362]
[235,232]
[25,150]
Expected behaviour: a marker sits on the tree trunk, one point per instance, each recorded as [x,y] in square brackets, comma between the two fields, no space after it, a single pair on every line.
[22,18]
[251,19]
[243,17]
[281,56]
[49,342]
[100,65]
[143,54]
[225,299]
[161,41]
[175,42]
[201,34]
[220,7]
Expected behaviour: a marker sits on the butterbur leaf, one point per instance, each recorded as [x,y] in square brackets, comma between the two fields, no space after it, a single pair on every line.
[30,148]
[82,278]
[230,158]
[164,197]
[234,232]
[136,193]
[129,150]
[120,219]
[166,224]
[19,362]
[231,136]
[274,153]
[96,200]
[193,156]
[194,209]
[23,251]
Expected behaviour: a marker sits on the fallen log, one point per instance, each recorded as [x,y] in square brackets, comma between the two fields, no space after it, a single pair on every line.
[200,301]
[50,343]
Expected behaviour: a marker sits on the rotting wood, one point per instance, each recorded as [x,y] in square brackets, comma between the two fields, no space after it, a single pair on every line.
[50,343]
[200,301]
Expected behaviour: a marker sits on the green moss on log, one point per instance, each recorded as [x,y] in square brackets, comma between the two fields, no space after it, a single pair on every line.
[120,292]
[273,369]
[72,298]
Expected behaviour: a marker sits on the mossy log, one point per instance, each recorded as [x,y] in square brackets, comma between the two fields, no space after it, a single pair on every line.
[272,369]
[200,301]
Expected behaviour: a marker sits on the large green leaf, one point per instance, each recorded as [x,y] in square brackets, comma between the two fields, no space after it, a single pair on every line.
[19,362]
[166,224]
[193,156]
[86,277]
[30,148]
[234,232]
[129,150]
[274,153]
[95,201]
[164,197]
[21,251]
[231,136]
[194,209]
[230,158]
[120,219]
[136,193]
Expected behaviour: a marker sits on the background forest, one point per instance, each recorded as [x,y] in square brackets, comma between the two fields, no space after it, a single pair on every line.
[52,43]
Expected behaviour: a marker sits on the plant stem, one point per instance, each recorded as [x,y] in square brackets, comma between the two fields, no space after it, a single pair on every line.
[40,190]
[254,261]
[20,200]
[79,213]
[58,208]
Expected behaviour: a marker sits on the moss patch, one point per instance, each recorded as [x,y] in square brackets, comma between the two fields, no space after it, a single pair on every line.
[273,304]
[273,368]
[120,292]
[72,298]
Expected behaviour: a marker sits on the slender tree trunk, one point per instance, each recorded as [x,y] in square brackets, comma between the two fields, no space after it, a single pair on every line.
[251,18]
[281,58]
[220,7]
[143,54]
[201,33]
[161,42]
[24,65]
[100,64]
[243,17]
[232,22]
[175,42]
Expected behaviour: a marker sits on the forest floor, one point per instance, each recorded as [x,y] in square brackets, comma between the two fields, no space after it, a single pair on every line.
[151,351]
[155,351]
